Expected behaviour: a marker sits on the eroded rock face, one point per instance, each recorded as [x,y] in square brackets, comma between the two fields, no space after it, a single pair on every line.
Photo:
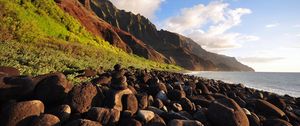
[52,89]
[22,113]
[227,112]
[82,97]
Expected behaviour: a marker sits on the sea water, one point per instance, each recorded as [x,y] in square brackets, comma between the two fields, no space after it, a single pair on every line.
[280,83]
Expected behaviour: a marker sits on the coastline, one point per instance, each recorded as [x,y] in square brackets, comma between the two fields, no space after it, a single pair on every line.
[133,96]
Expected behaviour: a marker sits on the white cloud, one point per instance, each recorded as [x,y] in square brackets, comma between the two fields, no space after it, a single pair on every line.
[272,25]
[259,59]
[146,8]
[298,35]
[297,26]
[217,18]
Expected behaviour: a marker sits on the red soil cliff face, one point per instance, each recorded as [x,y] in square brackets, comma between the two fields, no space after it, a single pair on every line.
[115,36]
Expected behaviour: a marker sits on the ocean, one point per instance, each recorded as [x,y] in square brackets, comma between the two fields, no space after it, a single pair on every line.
[280,83]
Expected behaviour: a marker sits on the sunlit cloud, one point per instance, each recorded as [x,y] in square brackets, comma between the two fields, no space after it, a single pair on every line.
[272,25]
[218,18]
[259,59]
[146,8]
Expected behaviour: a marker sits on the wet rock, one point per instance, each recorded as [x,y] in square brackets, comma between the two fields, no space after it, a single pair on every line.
[253,119]
[278,102]
[200,115]
[162,96]
[226,112]
[276,122]
[83,122]
[104,115]
[129,102]
[62,112]
[145,115]
[22,113]
[177,122]
[176,107]
[155,86]
[114,98]
[187,105]
[267,109]
[156,121]
[176,94]
[155,110]
[142,100]
[158,103]
[130,122]
[9,71]
[46,120]
[202,87]
[53,88]
[18,87]
[82,97]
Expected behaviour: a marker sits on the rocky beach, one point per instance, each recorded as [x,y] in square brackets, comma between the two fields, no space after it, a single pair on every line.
[135,97]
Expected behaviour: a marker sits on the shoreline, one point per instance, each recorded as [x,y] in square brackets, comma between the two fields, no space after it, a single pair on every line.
[131,96]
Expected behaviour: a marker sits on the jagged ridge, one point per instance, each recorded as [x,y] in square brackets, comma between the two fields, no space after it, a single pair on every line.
[176,48]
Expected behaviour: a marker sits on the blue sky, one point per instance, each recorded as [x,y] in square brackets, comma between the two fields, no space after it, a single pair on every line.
[264,34]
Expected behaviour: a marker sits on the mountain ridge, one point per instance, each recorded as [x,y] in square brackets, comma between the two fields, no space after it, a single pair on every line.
[177,48]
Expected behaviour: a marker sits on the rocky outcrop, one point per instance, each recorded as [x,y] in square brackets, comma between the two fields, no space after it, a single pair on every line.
[176,48]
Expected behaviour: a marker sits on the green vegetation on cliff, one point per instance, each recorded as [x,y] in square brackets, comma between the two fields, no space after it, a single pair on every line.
[38,37]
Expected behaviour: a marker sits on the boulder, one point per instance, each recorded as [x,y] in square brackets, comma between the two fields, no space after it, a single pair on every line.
[253,119]
[267,109]
[187,105]
[277,101]
[46,120]
[130,102]
[17,87]
[226,112]
[9,71]
[63,112]
[145,115]
[83,122]
[21,113]
[177,122]
[119,83]
[162,95]
[202,87]
[158,103]
[276,122]
[176,107]
[143,100]
[176,94]
[114,98]
[52,89]
[129,122]
[82,97]
[156,121]
[105,116]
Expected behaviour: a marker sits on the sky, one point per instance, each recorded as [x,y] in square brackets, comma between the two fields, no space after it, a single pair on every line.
[263,34]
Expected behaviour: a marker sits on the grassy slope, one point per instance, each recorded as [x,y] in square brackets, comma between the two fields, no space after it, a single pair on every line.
[38,37]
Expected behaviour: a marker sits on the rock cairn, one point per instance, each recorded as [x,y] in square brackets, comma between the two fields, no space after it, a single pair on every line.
[136,97]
